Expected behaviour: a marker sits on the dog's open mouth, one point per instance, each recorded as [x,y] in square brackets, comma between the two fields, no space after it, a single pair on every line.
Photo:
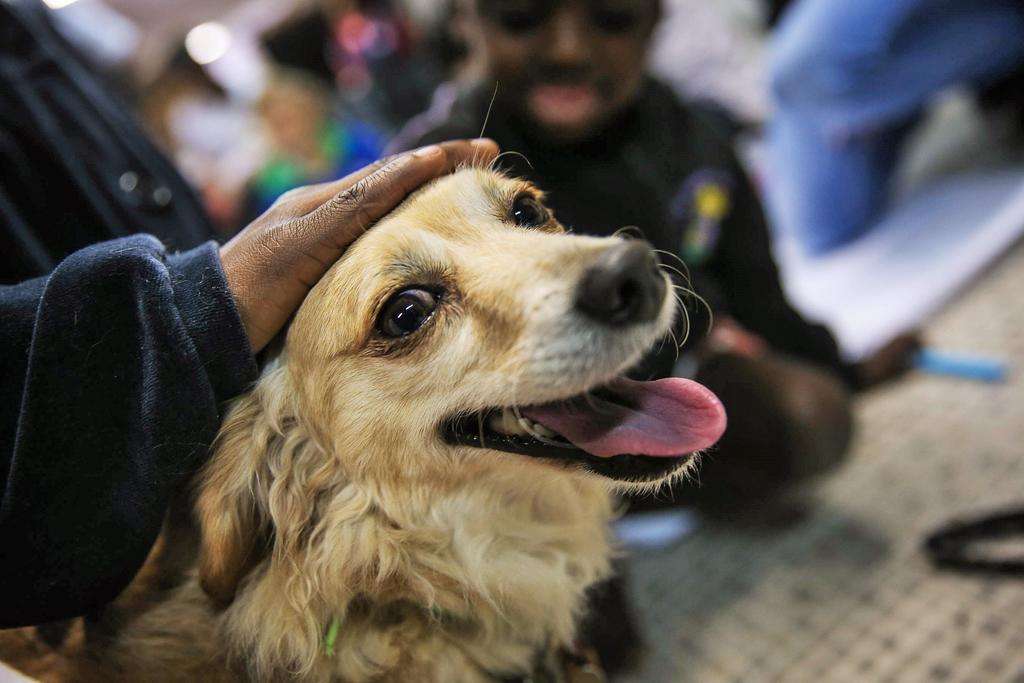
[626,430]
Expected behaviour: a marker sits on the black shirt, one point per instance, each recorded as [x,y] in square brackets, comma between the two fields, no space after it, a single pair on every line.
[670,170]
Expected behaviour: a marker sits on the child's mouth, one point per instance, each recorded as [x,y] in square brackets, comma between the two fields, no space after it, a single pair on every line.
[563,106]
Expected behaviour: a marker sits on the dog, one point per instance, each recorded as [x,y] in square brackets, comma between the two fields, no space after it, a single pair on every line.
[420,485]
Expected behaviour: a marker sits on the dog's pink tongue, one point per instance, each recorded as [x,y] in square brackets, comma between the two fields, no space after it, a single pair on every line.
[668,417]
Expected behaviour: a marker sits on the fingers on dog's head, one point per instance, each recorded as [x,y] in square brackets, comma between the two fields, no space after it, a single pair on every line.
[454,154]
[417,167]
[361,204]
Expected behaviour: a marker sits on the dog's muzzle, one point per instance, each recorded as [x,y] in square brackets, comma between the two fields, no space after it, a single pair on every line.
[624,286]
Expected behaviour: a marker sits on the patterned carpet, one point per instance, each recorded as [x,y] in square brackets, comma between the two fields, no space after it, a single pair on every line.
[845,594]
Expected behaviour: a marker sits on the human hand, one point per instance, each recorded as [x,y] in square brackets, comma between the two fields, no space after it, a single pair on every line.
[890,361]
[728,336]
[276,260]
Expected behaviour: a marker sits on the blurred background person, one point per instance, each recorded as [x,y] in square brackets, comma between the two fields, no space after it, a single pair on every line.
[267,95]
[614,147]
[309,142]
[217,141]
[381,58]
[850,80]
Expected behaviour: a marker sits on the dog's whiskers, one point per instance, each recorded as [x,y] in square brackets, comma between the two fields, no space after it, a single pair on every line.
[676,258]
[661,346]
[676,341]
[627,229]
[510,152]
[701,300]
[487,116]
[673,271]
[687,290]
[686,320]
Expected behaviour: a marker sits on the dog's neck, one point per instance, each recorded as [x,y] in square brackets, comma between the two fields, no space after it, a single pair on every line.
[486,573]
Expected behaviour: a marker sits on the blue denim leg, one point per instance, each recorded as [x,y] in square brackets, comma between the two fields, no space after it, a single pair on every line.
[848,79]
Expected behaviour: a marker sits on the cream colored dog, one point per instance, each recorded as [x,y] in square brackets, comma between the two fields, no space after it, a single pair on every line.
[419,486]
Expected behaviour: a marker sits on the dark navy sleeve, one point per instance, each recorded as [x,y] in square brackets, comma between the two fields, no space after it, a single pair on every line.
[113,371]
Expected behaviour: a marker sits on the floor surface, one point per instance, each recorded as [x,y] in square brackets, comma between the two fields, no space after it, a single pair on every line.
[845,594]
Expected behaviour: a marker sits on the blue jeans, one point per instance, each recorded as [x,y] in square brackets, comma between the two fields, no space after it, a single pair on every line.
[849,78]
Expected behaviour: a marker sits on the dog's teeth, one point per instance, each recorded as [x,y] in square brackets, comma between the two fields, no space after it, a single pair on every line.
[506,422]
[535,428]
[538,428]
[509,423]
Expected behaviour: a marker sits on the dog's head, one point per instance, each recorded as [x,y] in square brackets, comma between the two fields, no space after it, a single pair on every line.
[469,322]
[467,337]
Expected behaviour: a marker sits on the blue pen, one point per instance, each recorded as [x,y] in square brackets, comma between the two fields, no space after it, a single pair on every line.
[957,365]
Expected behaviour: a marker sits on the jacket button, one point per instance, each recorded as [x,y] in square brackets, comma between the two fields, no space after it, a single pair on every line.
[162,196]
[128,182]
[143,192]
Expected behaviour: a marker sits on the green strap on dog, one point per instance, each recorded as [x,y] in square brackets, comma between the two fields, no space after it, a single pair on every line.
[331,637]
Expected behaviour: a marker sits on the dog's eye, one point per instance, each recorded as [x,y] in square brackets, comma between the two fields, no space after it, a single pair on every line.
[528,212]
[406,312]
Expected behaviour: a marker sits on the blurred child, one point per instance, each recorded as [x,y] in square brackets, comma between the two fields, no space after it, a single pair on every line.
[613,148]
[215,141]
[309,143]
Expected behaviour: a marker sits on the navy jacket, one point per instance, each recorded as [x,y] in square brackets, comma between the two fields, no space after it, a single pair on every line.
[116,355]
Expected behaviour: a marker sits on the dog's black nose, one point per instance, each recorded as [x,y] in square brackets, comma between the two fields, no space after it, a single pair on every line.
[623,286]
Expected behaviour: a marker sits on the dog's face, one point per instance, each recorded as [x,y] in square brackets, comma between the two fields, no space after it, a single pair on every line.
[470,322]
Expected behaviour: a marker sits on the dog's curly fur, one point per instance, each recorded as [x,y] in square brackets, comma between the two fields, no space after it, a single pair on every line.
[331,498]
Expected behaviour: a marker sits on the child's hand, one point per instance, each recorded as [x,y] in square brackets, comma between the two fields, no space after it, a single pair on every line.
[889,362]
[728,336]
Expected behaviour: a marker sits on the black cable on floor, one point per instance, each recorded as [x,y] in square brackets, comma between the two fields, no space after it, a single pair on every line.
[961,546]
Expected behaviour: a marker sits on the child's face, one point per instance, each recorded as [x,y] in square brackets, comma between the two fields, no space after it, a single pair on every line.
[567,66]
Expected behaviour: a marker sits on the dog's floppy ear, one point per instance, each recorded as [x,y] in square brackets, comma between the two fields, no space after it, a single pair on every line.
[228,505]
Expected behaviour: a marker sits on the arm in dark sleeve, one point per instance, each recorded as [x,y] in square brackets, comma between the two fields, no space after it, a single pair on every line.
[113,370]
[753,293]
